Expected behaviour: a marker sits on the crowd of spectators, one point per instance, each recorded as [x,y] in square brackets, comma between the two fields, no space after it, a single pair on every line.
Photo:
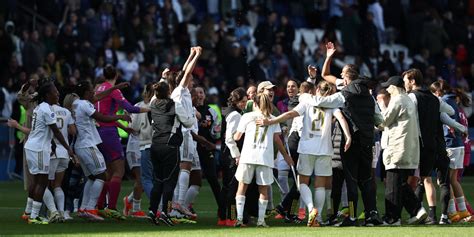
[243,41]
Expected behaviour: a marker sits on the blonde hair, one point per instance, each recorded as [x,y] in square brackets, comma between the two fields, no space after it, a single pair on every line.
[325,88]
[69,99]
[264,103]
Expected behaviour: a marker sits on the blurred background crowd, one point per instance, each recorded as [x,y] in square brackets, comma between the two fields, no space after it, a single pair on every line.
[244,41]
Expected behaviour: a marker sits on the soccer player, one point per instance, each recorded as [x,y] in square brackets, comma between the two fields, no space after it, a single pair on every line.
[91,159]
[38,147]
[138,157]
[317,126]
[257,156]
[60,159]
[111,146]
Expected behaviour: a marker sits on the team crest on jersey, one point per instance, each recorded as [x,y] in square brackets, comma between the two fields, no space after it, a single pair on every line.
[52,115]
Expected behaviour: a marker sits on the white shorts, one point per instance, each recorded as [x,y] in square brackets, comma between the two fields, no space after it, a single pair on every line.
[246,172]
[134,159]
[280,163]
[57,165]
[92,161]
[38,161]
[456,157]
[320,165]
[188,153]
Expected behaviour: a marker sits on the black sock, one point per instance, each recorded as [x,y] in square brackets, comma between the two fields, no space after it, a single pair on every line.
[432,212]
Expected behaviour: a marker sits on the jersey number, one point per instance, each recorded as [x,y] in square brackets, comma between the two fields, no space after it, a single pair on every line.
[318,120]
[258,139]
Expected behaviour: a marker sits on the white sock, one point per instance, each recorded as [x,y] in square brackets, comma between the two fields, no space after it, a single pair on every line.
[183,185]
[302,205]
[328,199]
[59,198]
[283,181]
[319,199]
[240,203]
[48,200]
[136,205]
[130,197]
[176,193]
[270,198]
[306,196]
[262,207]
[29,205]
[451,206]
[86,194]
[95,190]
[75,202]
[191,195]
[344,201]
[461,203]
[36,207]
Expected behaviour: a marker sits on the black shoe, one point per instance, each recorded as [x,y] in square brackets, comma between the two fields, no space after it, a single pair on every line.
[444,221]
[431,221]
[165,219]
[373,219]
[388,221]
[152,218]
[346,222]
[332,220]
[280,210]
[290,218]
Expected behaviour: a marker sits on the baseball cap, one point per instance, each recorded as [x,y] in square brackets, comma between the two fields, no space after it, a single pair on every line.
[395,80]
[264,85]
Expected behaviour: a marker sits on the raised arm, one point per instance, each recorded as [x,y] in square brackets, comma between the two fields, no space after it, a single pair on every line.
[188,70]
[326,72]
[192,52]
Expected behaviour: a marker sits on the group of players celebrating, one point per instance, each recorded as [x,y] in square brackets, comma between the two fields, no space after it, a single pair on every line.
[329,134]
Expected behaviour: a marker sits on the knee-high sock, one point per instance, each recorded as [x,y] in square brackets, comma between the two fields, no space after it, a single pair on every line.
[114,191]
[240,203]
[328,202]
[183,185]
[461,203]
[319,199]
[103,196]
[191,194]
[96,187]
[283,181]
[48,200]
[262,206]
[36,206]
[29,205]
[306,196]
[86,194]
[270,198]
[344,200]
[59,198]
[451,206]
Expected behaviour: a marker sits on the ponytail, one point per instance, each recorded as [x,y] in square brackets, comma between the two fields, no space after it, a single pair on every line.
[264,104]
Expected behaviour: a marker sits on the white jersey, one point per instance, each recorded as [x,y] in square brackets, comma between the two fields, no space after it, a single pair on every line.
[258,142]
[87,135]
[63,120]
[316,134]
[41,135]
[297,124]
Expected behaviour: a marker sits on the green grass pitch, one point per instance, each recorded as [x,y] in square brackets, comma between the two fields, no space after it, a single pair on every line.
[12,202]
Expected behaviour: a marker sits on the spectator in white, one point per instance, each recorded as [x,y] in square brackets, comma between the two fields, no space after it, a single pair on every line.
[401,156]
[377,11]
[9,96]
[129,66]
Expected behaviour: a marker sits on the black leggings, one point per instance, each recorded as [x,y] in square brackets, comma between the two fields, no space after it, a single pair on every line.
[337,183]
[357,166]
[229,188]
[165,160]
[293,195]
[208,166]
